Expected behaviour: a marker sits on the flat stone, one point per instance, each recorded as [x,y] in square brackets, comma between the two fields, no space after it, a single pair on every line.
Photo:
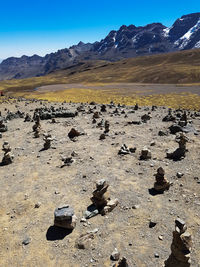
[89,214]
[64,213]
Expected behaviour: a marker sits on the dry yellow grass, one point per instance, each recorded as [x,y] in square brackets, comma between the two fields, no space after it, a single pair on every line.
[76,95]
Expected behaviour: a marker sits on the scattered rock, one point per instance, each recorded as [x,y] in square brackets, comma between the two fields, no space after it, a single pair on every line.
[145,154]
[179,174]
[64,217]
[115,255]
[124,150]
[84,241]
[152,224]
[102,136]
[75,133]
[91,212]
[145,118]
[26,241]
[37,205]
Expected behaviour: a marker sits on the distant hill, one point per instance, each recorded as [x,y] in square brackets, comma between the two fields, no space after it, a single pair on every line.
[127,42]
[181,67]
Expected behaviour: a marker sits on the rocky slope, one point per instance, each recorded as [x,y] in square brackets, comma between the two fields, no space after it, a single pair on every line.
[128,41]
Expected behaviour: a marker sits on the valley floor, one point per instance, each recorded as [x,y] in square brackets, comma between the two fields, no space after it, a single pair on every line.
[171,95]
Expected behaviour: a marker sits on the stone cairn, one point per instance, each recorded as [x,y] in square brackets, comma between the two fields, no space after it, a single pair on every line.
[161,183]
[96,115]
[101,198]
[3,127]
[180,247]
[8,157]
[27,117]
[169,116]
[103,108]
[183,120]
[122,263]
[37,126]
[47,141]
[136,107]
[181,150]
[64,217]
[107,127]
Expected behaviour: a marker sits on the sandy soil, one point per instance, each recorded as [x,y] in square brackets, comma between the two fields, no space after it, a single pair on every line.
[36,176]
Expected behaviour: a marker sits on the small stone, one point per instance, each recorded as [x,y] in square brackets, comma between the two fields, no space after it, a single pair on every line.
[145,154]
[135,207]
[102,136]
[26,241]
[115,255]
[91,213]
[156,255]
[152,143]
[37,205]
[179,174]
[84,241]
[94,231]
[152,224]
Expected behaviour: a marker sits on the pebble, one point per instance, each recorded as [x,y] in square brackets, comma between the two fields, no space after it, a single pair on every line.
[152,224]
[115,255]
[135,207]
[37,205]
[179,174]
[26,241]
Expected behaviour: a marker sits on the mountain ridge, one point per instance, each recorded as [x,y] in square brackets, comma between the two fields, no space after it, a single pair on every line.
[128,41]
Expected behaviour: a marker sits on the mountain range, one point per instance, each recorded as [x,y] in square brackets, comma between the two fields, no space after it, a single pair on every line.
[128,41]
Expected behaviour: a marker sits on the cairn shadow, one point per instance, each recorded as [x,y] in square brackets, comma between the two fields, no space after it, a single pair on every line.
[57,233]
[153,192]
[3,164]
[43,149]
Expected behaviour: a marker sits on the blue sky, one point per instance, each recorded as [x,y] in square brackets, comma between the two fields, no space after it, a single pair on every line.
[43,26]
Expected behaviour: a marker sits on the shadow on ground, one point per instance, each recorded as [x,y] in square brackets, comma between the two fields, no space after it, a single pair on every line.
[57,233]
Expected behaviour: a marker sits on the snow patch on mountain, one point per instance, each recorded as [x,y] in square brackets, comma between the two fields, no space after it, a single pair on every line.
[197,45]
[166,32]
[185,39]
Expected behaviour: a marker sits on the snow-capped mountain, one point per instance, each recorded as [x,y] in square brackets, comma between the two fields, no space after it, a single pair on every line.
[128,41]
[185,32]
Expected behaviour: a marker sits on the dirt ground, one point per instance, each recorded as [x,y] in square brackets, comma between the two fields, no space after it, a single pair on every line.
[35,176]
[127,88]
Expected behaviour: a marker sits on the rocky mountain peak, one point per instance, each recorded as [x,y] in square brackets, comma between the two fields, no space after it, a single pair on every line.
[127,41]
